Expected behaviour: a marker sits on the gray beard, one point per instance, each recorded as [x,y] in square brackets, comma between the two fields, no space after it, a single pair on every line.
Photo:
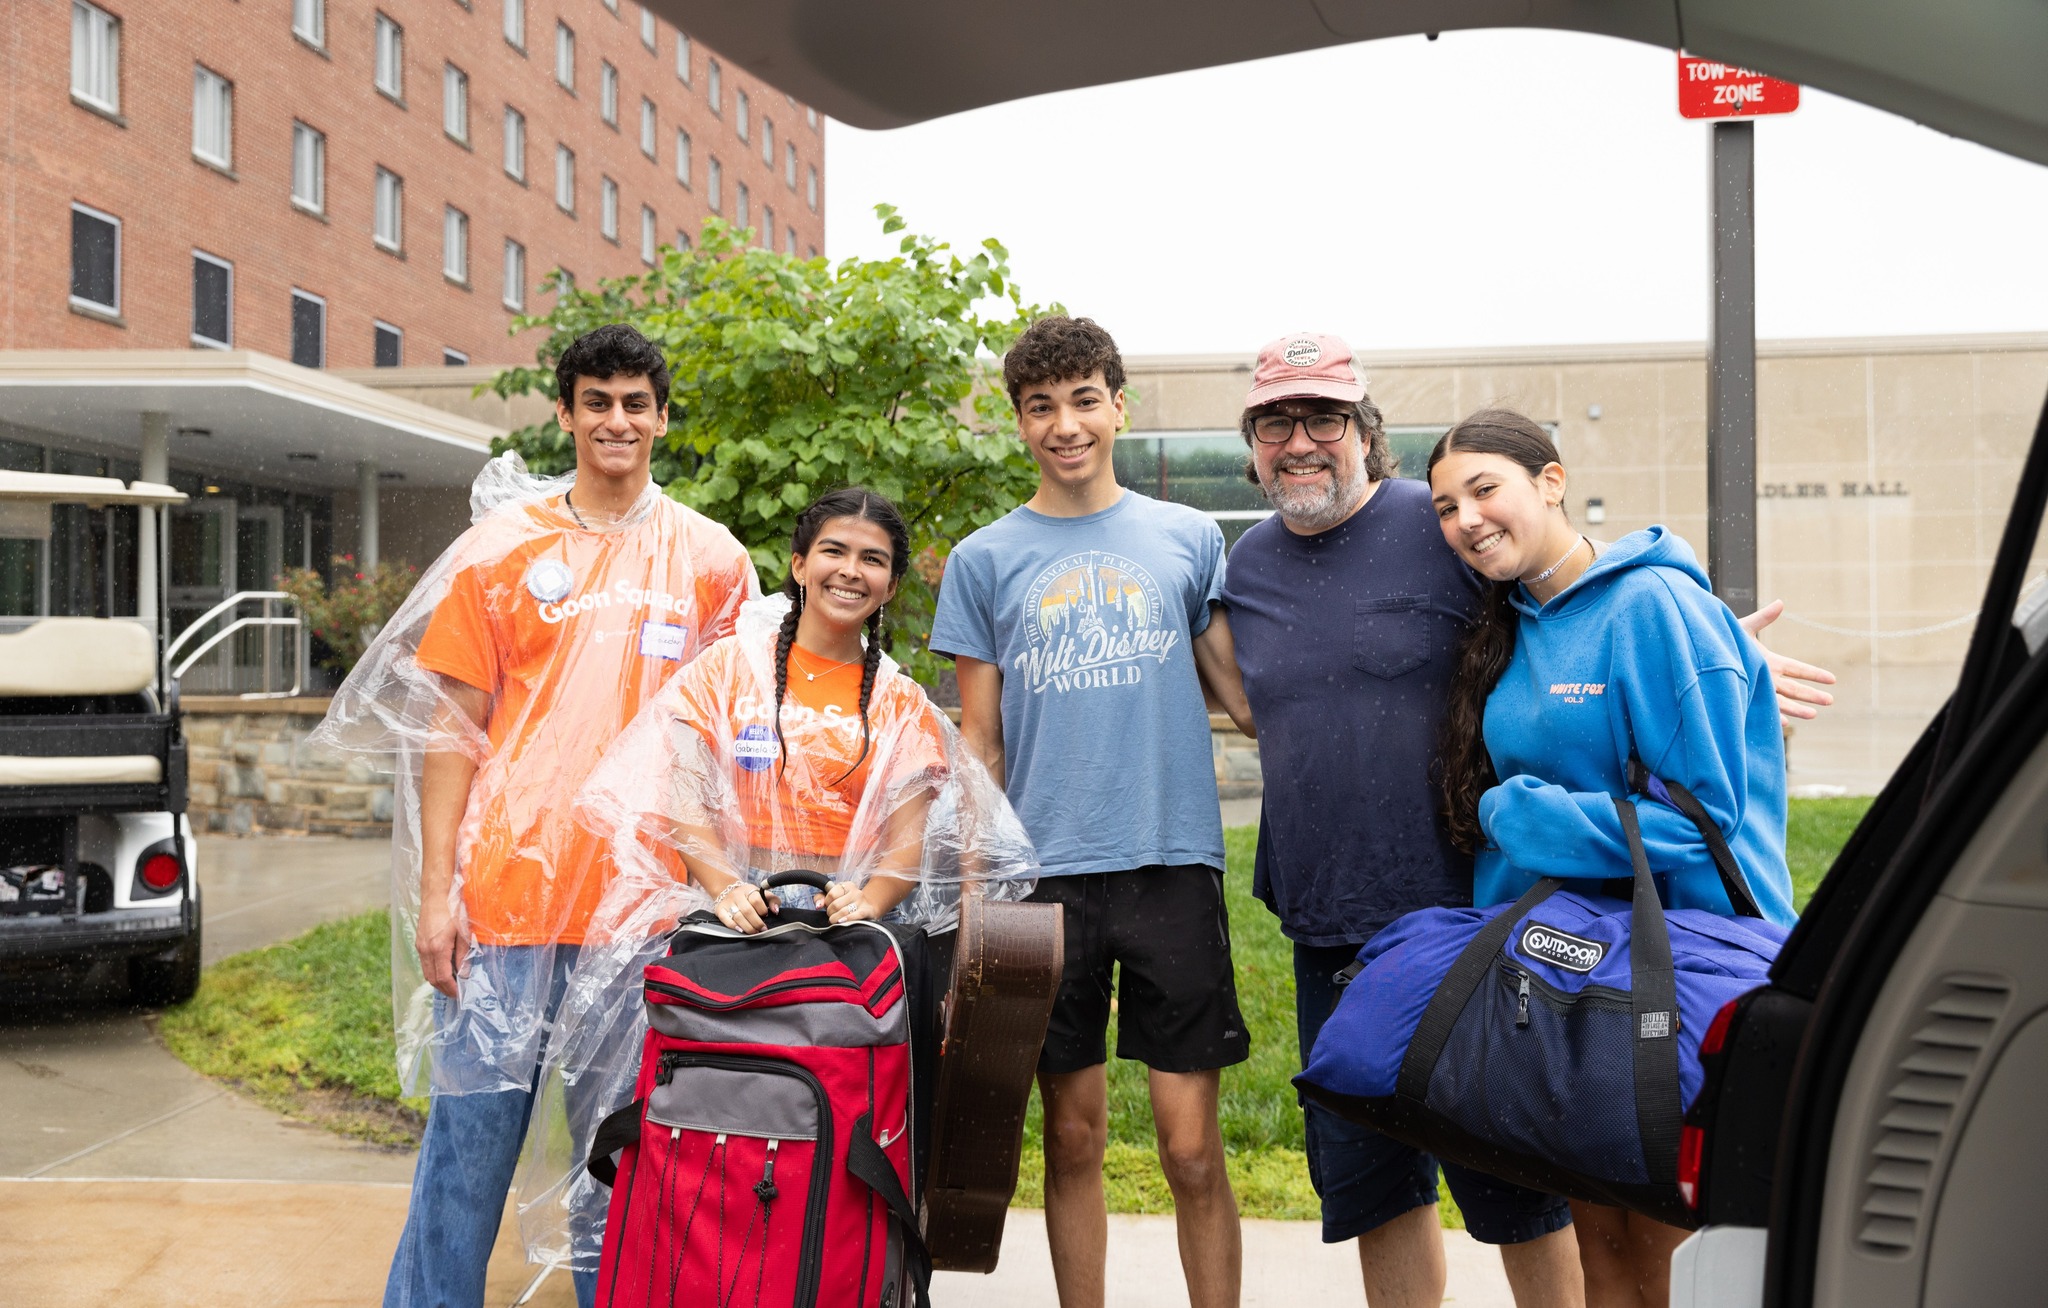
[1311,510]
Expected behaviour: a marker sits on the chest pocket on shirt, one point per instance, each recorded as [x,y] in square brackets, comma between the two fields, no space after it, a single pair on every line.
[1390,635]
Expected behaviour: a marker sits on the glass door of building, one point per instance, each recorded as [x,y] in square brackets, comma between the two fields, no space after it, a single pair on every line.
[203,573]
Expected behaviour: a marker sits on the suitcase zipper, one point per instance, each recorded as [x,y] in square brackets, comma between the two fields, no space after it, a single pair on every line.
[696,1000]
[1522,1002]
[821,1158]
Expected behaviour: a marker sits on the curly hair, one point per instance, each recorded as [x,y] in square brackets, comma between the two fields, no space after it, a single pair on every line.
[1464,768]
[1059,348]
[616,349]
[846,502]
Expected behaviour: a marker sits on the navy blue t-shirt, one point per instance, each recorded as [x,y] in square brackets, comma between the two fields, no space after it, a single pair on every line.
[1347,641]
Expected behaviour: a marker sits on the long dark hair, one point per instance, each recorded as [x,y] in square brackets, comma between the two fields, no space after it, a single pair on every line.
[1465,771]
[846,502]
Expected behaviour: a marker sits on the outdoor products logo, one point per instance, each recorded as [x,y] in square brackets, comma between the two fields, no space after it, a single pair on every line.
[1303,354]
[548,580]
[1550,945]
[1093,619]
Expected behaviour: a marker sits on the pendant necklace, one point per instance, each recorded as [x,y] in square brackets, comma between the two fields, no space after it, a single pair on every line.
[813,676]
[570,505]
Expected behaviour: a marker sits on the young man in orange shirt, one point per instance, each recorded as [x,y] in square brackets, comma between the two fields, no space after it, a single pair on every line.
[561,616]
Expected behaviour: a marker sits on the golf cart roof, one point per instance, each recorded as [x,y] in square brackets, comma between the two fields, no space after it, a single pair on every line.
[60,488]
[1971,68]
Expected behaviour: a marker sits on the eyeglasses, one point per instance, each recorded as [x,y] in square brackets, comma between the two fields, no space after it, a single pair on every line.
[1278,428]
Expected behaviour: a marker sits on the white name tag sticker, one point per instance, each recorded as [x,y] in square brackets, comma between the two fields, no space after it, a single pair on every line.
[663,640]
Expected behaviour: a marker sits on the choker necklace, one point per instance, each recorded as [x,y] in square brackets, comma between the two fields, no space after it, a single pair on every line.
[571,506]
[1551,571]
[813,676]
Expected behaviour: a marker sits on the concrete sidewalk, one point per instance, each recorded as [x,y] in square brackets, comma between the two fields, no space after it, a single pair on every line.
[128,1179]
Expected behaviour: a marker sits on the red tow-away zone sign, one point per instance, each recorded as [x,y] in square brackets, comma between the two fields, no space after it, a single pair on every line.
[1707,89]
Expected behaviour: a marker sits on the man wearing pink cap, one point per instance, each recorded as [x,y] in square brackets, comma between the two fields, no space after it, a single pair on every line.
[1346,609]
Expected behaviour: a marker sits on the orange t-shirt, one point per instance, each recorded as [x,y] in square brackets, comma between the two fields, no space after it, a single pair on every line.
[570,631]
[808,805]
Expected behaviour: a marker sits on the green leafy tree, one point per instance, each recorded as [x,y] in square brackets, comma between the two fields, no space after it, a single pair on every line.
[794,376]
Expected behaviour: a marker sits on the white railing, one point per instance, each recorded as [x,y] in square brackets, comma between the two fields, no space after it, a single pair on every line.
[269,599]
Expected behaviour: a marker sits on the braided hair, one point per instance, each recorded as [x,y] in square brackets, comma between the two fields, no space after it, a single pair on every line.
[846,502]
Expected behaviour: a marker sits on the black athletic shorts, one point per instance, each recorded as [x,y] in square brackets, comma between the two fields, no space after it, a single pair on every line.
[1166,932]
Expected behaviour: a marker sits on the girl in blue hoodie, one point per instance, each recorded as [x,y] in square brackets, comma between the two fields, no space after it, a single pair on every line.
[1583,655]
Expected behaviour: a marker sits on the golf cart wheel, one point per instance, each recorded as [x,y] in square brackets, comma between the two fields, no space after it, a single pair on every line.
[172,977]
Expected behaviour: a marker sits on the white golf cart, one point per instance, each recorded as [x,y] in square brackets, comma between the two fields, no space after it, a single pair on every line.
[97,860]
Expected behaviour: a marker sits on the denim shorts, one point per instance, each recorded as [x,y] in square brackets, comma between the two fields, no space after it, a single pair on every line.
[1366,1179]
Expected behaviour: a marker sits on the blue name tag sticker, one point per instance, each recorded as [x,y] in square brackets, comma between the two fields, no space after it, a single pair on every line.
[664,640]
[754,748]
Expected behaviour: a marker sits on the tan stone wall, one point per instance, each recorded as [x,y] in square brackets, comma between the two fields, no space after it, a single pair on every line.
[252,771]
[1937,427]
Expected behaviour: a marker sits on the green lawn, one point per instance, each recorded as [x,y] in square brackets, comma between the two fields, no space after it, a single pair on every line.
[306,1027]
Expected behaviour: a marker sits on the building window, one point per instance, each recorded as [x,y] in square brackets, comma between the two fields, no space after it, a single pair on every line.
[682,239]
[453,358]
[811,117]
[213,117]
[608,209]
[683,58]
[789,240]
[515,144]
[612,5]
[647,237]
[682,156]
[647,27]
[455,103]
[739,113]
[95,56]
[213,301]
[740,202]
[309,21]
[95,259]
[515,275]
[714,177]
[390,216]
[565,56]
[388,351]
[455,245]
[515,24]
[309,330]
[390,57]
[647,146]
[565,180]
[811,188]
[712,95]
[309,168]
[789,166]
[767,140]
[608,92]
[767,228]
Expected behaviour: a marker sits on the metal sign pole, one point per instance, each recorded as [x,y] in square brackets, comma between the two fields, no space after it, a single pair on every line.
[1731,372]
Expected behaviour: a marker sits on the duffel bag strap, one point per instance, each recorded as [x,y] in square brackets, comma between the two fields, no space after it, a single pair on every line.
[1654,990]
[1455,991]
[1733,882]
[872,1168]
[614,1133]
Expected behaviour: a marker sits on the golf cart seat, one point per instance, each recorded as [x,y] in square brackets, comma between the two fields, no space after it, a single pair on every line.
[79,724]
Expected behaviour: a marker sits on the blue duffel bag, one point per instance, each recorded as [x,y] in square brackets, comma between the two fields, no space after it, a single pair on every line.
[1553,1042]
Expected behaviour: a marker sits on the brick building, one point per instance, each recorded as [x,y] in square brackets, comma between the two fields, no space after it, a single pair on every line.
[348,185]
[237,231]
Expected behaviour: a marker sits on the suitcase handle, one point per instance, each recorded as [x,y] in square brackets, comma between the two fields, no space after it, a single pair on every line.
[800,876]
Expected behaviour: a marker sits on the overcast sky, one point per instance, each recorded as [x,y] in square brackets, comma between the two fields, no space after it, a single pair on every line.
[1489,188]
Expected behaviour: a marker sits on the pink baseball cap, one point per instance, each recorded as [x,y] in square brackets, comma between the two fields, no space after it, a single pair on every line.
[1305,366]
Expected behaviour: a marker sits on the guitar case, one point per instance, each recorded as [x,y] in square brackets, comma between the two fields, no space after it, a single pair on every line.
[1006,965]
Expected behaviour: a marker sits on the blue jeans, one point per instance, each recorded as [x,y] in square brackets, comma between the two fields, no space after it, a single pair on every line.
[467,1159]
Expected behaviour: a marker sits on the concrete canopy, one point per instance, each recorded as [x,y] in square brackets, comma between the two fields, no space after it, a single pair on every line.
[261,416]
[1972,68]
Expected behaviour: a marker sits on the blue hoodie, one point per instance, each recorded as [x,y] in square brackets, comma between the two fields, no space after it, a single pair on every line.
[1640,650]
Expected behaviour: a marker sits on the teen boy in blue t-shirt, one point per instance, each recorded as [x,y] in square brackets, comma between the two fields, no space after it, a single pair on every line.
[1084,626]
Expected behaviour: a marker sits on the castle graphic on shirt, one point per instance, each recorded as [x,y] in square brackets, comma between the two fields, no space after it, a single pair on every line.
[1093,619]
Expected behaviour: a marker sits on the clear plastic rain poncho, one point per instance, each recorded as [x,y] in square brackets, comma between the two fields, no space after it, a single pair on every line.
[526,648]
[703,775]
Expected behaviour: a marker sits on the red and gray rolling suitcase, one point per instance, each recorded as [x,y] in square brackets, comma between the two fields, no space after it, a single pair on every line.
[771,1150]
